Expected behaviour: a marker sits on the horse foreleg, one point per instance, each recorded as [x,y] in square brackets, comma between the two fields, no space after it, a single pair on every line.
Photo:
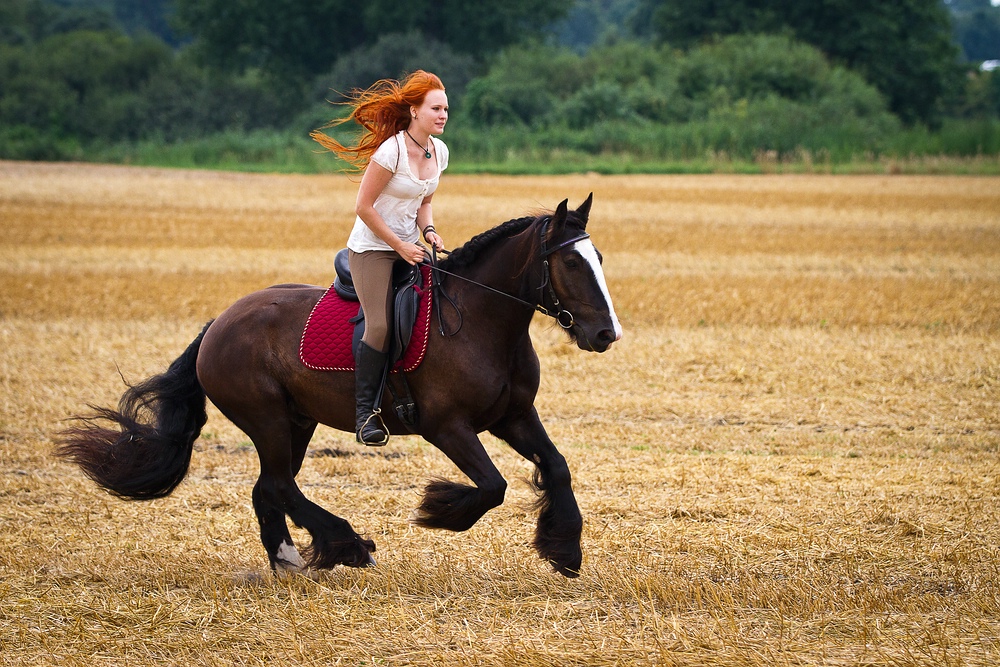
[453,506]
[557,534]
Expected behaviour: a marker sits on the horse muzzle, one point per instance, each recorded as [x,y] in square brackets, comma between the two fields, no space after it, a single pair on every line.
[600,341]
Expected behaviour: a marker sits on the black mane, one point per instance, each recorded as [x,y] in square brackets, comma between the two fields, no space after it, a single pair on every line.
[468,253]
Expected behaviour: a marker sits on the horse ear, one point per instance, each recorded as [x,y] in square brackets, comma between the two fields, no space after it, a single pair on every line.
[561,210]
[558,221]
[584,210]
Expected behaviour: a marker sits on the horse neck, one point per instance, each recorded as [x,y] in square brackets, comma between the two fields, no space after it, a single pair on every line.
[505,267]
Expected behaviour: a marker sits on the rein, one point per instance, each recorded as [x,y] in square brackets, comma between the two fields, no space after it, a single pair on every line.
[561,315]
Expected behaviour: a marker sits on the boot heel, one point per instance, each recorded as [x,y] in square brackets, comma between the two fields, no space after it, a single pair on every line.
[373,433]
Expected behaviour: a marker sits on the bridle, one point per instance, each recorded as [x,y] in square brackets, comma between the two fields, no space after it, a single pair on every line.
[560,314]
[546,278]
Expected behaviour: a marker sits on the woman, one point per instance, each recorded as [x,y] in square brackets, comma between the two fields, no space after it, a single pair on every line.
[401,159]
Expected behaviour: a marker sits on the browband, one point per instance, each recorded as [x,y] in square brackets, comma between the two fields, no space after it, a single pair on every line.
[548,251]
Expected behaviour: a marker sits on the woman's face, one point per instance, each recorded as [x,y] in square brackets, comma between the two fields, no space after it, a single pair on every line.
[432,115]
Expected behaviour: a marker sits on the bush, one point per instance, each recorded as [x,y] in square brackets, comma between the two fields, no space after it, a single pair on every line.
[21,142]
[600,101]
[754,66]
[744,94]
[524,86]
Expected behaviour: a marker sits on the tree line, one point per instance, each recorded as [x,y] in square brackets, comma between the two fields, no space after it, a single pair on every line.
[739,75]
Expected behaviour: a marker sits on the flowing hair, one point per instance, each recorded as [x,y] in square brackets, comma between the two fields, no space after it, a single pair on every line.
[382,110]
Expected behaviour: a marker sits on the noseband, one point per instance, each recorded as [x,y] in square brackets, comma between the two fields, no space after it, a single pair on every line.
[560,314]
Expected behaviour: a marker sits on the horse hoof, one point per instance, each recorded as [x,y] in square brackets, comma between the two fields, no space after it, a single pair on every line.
[565,571]
[289,574]
[288,560]
[369,559]
[363,556]
[282,568]
[364,561]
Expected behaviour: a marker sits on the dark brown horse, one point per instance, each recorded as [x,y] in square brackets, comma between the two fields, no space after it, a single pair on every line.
[483,376]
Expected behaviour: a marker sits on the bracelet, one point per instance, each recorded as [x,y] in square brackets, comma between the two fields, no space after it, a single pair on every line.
[427,230]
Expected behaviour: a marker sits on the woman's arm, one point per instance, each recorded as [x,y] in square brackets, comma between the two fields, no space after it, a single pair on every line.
[375,178]
[425,223]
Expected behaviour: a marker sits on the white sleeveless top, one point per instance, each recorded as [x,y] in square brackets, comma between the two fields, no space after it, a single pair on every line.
[401,197]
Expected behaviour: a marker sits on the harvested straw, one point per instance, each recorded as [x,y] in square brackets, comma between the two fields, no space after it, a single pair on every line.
[791,457]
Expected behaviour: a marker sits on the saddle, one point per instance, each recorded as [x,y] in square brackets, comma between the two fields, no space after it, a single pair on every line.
[407,288]
[332,332]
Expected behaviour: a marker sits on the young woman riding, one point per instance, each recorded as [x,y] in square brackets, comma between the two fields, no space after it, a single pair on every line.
[401,159]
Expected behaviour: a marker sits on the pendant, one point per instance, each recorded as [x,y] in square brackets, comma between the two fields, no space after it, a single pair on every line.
[427,149]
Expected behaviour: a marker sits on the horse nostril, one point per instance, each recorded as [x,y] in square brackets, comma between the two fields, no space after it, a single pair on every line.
[606,337]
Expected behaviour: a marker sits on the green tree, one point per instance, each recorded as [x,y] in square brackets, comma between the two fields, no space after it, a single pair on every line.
[30,21]
[147,16]
[476,28]
[301,40]
[977,28]
[283,37]
[904,48]
[594,22]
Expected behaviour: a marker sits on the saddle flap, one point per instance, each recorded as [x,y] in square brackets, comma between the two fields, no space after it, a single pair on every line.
[407,286]
[407,306]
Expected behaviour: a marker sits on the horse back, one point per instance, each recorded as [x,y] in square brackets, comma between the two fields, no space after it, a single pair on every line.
[284,306]
[256,336]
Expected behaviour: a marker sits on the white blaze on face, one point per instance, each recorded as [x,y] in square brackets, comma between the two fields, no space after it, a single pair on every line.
[587,250]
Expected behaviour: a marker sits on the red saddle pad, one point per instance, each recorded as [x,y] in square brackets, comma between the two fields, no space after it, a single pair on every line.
[326,341]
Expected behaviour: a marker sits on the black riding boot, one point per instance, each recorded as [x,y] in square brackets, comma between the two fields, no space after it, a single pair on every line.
[369,368]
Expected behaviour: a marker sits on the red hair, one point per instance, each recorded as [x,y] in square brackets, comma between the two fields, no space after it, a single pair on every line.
[382,110]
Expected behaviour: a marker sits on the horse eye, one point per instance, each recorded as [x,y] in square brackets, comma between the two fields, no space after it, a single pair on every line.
[571,264]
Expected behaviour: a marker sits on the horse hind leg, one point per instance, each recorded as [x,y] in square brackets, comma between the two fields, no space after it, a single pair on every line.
[277,541]
[334,542]
[276,495]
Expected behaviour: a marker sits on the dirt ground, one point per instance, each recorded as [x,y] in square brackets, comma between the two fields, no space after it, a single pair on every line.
[791,457]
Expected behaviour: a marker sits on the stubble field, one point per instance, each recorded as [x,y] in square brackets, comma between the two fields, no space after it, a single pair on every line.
[791,458]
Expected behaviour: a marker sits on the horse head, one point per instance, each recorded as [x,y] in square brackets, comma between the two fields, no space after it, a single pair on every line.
[577,293]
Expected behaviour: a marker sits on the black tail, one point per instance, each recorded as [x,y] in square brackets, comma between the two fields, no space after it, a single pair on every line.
[146,451]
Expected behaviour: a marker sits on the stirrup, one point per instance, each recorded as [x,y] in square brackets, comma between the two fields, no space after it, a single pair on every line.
[381,427]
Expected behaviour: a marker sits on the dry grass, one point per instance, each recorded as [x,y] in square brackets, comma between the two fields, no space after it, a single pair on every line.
[791,457]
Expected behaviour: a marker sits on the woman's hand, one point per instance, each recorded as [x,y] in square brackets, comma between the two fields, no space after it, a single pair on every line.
[412,252]
[435,240]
